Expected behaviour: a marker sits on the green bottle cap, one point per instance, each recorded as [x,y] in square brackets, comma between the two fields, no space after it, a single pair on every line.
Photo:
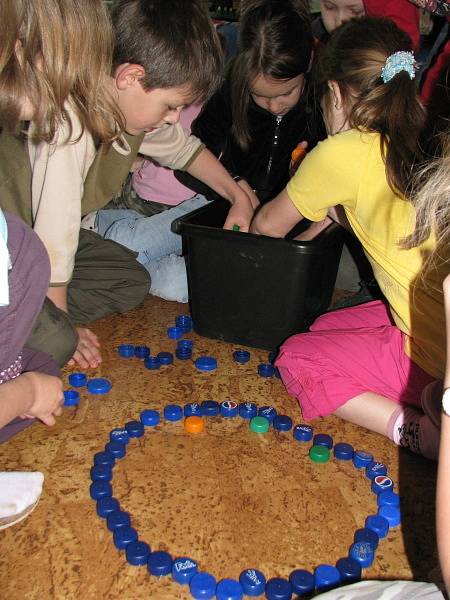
[236,227]
[319,454]
[260,425]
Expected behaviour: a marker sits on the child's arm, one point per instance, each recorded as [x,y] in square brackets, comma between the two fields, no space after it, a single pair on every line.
[277,217]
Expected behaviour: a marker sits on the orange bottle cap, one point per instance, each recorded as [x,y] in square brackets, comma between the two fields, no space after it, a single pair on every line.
[194,424]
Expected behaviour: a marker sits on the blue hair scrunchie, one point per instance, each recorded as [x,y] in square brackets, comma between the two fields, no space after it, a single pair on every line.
[398,62]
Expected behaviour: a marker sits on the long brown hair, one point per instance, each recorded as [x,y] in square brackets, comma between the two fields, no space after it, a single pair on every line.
[354,57]
[53,52]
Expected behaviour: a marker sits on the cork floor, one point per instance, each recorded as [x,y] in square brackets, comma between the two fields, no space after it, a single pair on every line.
[228,498]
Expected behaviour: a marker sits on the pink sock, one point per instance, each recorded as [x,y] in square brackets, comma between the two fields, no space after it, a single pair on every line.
[411,428]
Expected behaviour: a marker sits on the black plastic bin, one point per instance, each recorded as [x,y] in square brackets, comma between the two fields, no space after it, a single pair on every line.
[250,289]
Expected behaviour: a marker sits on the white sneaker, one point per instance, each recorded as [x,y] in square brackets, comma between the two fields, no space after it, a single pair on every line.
[90,221]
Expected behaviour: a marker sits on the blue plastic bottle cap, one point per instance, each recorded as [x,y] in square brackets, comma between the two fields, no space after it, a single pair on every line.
[363,553]
[104,458]
[362,459]
[202,585]
[150,418]
[141,351]
[118,518]
[184,322]
[278,588]
[388,499]
[367,535]
[71,398]
[152,363]
[173,412]
[184,569]
[99,386]
[137,553]
[119,435]
[117,449]
[268,412]
[185,344]
[266,370]
[241,356]
[326,577]
[303,433]
[210,408]
[174,333]
[183,353]
[323,439]
[77,379]
[135,429]
[391,513]
[378,524]
[302,582]
[159,563]
[382,483]
[206,363]
[229,589]
[248,410]
[343,451]
[107,505]
[349,569]
[122,536]
[193,409]
[252,582]
[165,358]
[100,489]
[375,468]
[229,409]
[101,473]
[282,423]
[126,350]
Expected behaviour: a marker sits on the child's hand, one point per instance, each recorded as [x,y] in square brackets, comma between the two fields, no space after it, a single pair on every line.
[46,396]
[240,214]
[87,353]
[250,193]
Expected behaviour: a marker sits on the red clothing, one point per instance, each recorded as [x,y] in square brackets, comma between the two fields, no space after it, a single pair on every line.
[404,14]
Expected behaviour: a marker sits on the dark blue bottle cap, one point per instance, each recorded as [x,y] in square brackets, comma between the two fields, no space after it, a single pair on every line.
[118,518]
[203,585]
[152,363]
[303,433]
[119,435]
[193,409]
[229,589]
[184,322]
[282,423]
[388,499]
[378,524]
[100,489]
[183,354]
[137,553]
[326,577]
[185,344]
[349,569]
[184,569]
[343,451]
[241,356]
[77,379]
[382,483]
[173,412]
[99,386]
[272,357]
[174,333]
[150,418]
[141,351]
[268,412]
[391,513]
[252,582]
[71,398]
[362,459]
[229,409]
[248,410]
[165,358]
[135,429]
[101,473]
[302,582]
[159,563]
[117,449]
[104,458]
[206,363]
[363,553]
[375,468]
[210,408]
[278,588]
[266,370]
[107,505]
[122,536]
[126,350]
[323,439]
[367,535]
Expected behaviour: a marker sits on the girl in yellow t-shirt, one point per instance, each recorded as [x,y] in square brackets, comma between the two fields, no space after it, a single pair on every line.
[368,364]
